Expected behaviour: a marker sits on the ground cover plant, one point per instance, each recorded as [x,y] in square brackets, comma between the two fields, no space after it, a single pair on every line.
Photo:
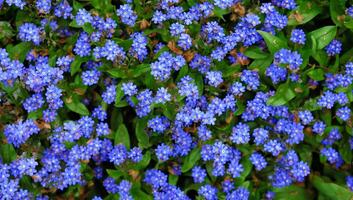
[176,100]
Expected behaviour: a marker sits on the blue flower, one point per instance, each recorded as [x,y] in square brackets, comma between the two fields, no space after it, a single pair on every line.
[29,32]
[334,48]
[298,36]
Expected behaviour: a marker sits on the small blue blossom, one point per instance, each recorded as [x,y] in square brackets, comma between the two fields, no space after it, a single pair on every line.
[344,113]
[29,32]
[109,95]
[240,134]
[334,48]
[214,78]
[83,16]
[208,192]
[305,116]
[198,174]
[258,161]
[298,36]
[126,14]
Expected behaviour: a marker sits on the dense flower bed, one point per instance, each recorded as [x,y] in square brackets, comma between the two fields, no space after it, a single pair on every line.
[172,99]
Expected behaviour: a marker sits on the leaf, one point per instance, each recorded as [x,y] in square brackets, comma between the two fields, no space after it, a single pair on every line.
[137,193]
[169,110]
[255,53]
[346,152]
[337,9]
[198,81]
[292,192]
[261,64]
[141,135]
[191,159]
[247,169]
[321,57]
[219,12]
[348,22]
[8,153]
[125,44]
[311,105]
[117,73]
[144,162]
[20,51]
[73,104]
[323,36]
[122,136]
[119,94]
[331,190]
[305,12]
[6,30]
[140,69]
[35,114]
[240,108]
[88,28]
[77,5]
[76,64]
[114,173]
[316,74]
[283,94]
[103,5]
[273,43]
[173,179]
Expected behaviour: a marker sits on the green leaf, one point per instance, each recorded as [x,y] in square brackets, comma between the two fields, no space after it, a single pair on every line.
[255,53]
[348,22]
[26,183]
[88,28]
[169,110]
[173,179]
[219,12]
[140,69]
[247,169]
[331,190]
[76,106]
[122,136]
[8,153]
[317,74]
[283,94]
[323,36]
[103,5]
[311,105]
[144,162]
[345,151]
[141,135]
[292,192]
[77,5]
[337,9]
[76,64]
[137,193]
[261,64]
[6,30]
[119,94]
[117,73]
[114,173]
[35,114]
[305,12]
[240,108]
[198,81]
[191,159]
[126,44]
[74,24]
[273,43]
[182,72]
[321,57]
[20,51]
